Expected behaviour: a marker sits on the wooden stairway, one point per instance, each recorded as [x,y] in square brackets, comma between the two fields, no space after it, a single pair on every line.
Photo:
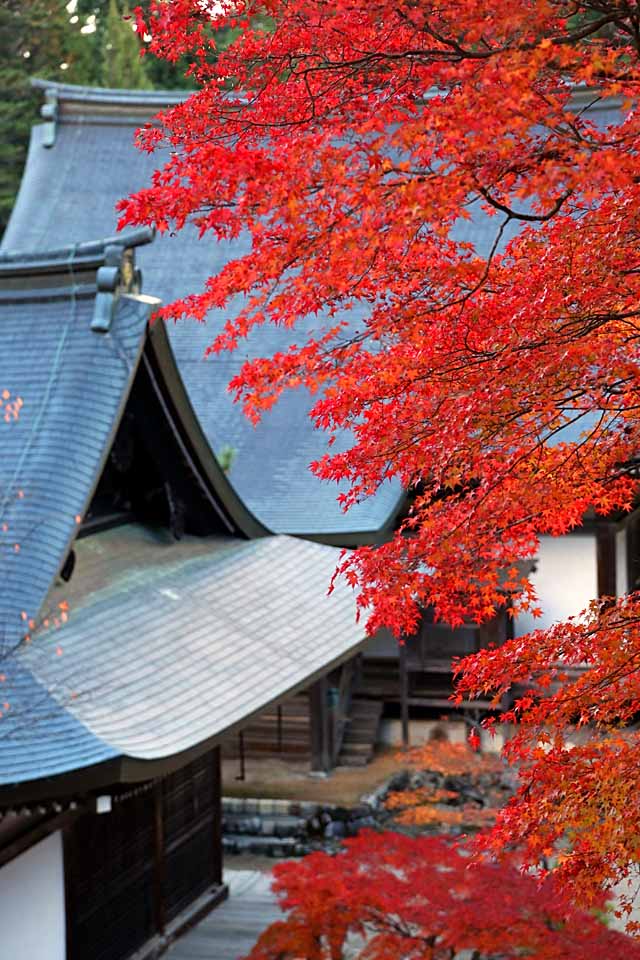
[361,733]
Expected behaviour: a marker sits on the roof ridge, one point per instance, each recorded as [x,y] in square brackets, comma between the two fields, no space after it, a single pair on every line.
[102,269]
[110,95]
[155,99]
[88,254]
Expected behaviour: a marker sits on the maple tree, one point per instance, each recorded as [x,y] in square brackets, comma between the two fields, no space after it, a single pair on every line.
[358,145]
[388,896]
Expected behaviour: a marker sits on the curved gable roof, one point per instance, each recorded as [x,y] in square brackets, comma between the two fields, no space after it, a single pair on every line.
[69,191]
[169,647]
[69,351]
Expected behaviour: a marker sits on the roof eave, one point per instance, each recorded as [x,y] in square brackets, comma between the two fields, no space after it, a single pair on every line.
[352,539]
[171,383]
[126,769]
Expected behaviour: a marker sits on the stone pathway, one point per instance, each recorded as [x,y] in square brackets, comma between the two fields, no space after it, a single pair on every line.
[230,930]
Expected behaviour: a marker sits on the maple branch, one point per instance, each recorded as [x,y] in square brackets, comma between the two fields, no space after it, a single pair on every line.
[527,217]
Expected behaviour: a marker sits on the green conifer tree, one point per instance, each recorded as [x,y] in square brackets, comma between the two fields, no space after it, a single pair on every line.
[36,39]
[122,64]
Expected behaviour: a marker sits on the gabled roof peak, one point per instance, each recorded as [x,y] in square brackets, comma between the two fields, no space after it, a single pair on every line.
[102,269]
[69,348]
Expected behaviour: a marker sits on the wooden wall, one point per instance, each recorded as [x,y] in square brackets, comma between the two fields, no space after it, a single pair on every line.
[130,872]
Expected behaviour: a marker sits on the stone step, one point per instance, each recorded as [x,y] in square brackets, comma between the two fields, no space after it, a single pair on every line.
[365,707]
[362,726]
[364,720]
[348,759]
[361,733]
[264,846]
[278,828]
[355,746]
[269,807]
[355,754]
[277,825]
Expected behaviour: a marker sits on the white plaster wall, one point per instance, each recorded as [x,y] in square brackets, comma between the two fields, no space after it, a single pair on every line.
[32,916]
[622,585]
[565,579]
[455,731]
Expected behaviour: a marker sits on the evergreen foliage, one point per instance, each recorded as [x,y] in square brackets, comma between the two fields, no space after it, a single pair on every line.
[122,65]
[36,39]
[155,73]
[45,38]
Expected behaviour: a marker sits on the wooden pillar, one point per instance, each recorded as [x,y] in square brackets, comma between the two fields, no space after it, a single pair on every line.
[242,772]
[217,815]
[159,866]
[632,545]
[606,559]
[70,874]
[404,692]
[319,708]
[279,720]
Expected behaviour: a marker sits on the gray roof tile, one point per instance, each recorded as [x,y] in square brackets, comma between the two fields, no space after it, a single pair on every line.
[169,645]
[73,384]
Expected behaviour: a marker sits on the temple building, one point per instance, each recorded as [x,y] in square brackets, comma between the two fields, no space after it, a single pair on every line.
[147,615]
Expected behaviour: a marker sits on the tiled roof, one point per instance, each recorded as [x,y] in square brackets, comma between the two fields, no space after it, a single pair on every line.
[73,382]
[170,645]
[93,146]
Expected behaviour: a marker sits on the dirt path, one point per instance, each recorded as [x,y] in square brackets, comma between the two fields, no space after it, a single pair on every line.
[269,779]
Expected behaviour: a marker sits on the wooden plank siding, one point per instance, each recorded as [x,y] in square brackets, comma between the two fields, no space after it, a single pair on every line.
[109,864]
[419,673]
[131,872]
[319,705]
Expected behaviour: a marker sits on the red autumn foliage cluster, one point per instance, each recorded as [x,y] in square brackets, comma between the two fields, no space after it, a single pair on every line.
[388,896]
[576,753]
[358,145]
[465,788]
[9,407]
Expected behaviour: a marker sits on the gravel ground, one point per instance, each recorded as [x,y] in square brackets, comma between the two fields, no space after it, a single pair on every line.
[268,779]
